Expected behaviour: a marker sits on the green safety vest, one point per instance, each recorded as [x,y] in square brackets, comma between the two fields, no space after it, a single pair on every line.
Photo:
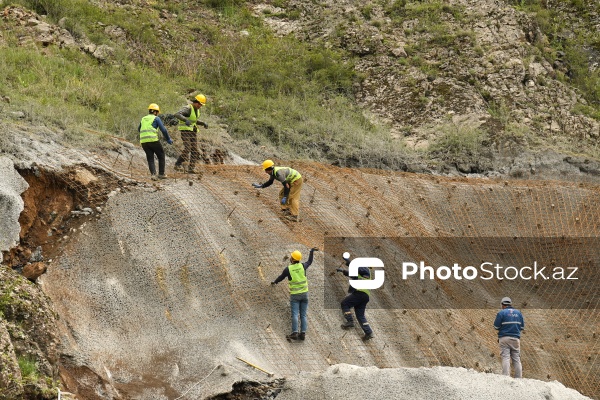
[193,117]
[147,132]
[367,291]
[299,283]
[290,176]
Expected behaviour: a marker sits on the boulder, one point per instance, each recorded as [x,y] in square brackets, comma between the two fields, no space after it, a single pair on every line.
[11,204]
[34,270]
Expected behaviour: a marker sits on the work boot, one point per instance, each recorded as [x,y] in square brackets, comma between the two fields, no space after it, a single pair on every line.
[191,170]
[368,336]
[293,336]
[162,176]
[178,167]
[301,336]
[154,177]
[348,325]
[286,212]
[293,218]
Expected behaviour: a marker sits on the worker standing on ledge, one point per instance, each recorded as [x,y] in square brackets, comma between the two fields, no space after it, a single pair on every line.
[289,196]
[509,323]
[357,299]
[188,128]
[298,285]
[148,129]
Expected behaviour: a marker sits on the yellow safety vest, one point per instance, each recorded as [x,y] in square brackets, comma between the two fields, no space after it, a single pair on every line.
[193,117]
[299,283]
[147,132]
[291,175]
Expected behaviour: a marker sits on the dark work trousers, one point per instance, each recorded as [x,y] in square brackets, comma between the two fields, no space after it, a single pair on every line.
[190,146]
[151,149]
[358,301]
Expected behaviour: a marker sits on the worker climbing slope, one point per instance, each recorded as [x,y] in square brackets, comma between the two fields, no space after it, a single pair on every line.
[289,195]
[357,299]
[298,285]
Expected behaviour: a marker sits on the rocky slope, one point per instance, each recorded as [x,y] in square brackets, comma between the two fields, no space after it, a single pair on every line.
[161,303]
[486,72]
[470,87]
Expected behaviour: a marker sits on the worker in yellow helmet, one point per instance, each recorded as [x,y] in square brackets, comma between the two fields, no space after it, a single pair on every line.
[289,196]
[298,285]
[148,129]
[189,121]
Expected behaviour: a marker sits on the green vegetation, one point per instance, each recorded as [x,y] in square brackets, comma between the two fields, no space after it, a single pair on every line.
[573,39]
[29,368]
[457,143]
[269,90]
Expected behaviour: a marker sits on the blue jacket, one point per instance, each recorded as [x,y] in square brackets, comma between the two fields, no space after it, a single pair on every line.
[158,124]
[509,322]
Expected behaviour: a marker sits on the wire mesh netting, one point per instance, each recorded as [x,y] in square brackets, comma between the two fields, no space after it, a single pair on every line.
[179,272]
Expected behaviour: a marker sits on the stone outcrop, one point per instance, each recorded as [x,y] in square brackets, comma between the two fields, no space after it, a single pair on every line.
[11,204]
[37,31]
[486,65]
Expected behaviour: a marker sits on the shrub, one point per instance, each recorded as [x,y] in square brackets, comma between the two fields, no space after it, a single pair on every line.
[28,367]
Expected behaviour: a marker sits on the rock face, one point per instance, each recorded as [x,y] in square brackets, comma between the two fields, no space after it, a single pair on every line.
[27,332]
[11,204]
[426,65]
[10,374]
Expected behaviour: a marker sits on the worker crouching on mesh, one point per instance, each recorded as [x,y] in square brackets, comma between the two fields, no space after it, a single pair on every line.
[357,299]
[298,285]
[148,129]
[289,196]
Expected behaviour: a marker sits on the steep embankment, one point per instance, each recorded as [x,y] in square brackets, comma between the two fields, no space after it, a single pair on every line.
[171,281]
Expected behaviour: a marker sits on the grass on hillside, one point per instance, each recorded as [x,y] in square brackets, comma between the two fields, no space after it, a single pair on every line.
[268,90]
[577,43]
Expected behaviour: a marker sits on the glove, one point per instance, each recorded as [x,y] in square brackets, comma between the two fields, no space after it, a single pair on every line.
[257,185]
[340,270]
[188,122]
[204,124]
[273,283]
[284,200]
[170,141]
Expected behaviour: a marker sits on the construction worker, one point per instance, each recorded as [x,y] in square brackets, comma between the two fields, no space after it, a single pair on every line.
[298,285]
[357,299]
[509,323]
[188,128]
[148,130]
[289,195]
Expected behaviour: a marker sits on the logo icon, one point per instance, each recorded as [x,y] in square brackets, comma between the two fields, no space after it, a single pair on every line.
[366,262]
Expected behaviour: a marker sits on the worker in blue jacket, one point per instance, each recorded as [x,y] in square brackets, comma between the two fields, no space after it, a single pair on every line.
[149,139]
[357,299]
[509,323]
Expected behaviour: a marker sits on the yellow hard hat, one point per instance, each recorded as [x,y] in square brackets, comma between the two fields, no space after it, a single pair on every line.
[296,255]
[154,106]
[200,99]
[267,164]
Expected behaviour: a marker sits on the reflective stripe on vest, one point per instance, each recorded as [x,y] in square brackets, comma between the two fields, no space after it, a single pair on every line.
[193,117]
[360,277]
[147,132]
[291,175]
[299,283]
